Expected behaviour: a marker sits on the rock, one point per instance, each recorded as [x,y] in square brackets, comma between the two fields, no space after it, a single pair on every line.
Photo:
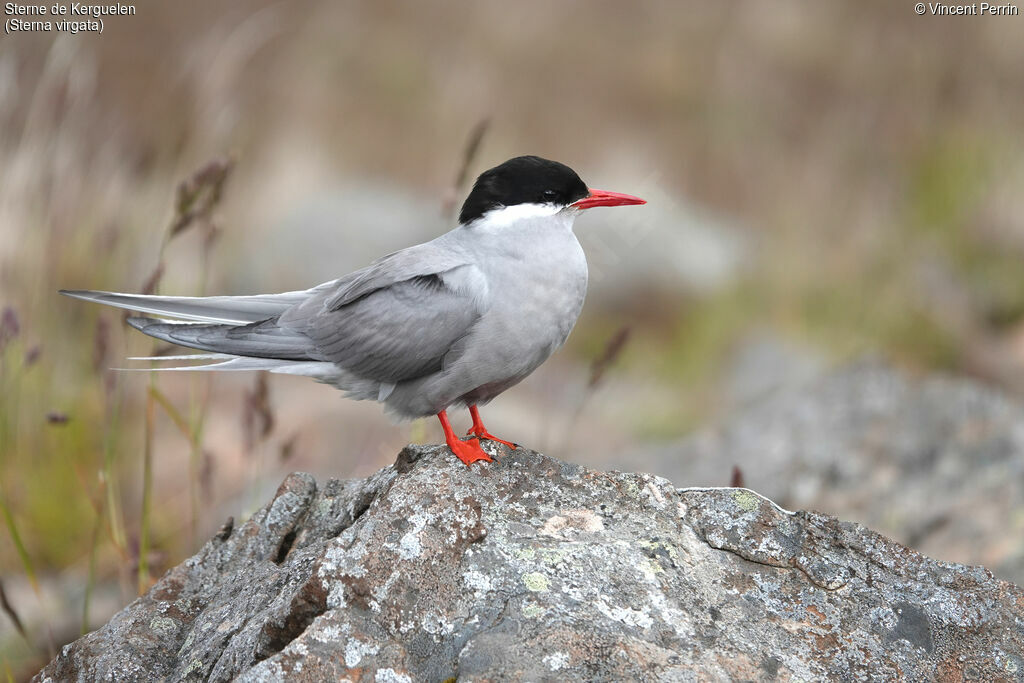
[936,462]
[534,569]
[765,364]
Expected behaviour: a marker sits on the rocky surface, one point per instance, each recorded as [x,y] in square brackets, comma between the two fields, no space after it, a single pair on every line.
[937,463]
[534,569]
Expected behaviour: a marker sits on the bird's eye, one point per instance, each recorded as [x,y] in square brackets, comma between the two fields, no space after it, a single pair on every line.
[550,195]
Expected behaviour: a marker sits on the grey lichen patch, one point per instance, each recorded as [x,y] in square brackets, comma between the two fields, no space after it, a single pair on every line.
[194,665]
[536,582]
[409,545]
[389,675]
[556,660]
[631,485]
[552,556]
[747,500]
[640,618]
[650,568]
[476,580]
[660,549]
[532,610]
[356,650]
[164,626]
[525,553]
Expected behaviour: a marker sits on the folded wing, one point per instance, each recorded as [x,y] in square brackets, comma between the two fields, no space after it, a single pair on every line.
[392,321]
[397,319]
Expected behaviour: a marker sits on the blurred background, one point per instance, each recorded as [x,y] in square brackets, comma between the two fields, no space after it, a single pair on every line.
[823,299]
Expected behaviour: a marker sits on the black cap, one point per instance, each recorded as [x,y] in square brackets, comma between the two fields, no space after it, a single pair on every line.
[523,180]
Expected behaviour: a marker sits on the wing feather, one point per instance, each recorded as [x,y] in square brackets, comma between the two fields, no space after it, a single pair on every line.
[264,339]
[237,310]
[395,320]
[423,259]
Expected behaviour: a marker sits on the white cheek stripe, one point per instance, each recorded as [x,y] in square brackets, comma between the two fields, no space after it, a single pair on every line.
[506,215]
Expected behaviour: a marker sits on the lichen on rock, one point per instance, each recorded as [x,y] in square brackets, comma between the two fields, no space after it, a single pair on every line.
[533,569]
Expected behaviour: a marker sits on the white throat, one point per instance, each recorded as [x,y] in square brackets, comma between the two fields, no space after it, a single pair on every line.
[505,217]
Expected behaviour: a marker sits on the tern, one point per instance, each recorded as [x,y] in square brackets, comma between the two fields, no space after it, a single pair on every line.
[451,322]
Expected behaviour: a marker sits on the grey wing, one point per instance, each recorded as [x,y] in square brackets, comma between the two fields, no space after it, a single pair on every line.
[397,319]
[430,258]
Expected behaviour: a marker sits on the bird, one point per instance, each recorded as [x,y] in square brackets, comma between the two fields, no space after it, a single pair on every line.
[452,322]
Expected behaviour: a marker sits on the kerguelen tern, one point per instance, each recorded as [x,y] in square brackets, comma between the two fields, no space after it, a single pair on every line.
[451,322]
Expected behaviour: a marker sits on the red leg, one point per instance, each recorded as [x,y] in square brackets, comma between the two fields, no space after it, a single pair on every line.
[466,451]
[481,432]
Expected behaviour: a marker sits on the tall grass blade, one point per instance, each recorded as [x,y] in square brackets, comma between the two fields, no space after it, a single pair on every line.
[176,417]
[93,547]
[19,545]
[8,609]
[147,485]
[114,517]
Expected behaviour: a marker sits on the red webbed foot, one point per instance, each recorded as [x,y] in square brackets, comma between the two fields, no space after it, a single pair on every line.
[484,434]
[468,451]
[478,430]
